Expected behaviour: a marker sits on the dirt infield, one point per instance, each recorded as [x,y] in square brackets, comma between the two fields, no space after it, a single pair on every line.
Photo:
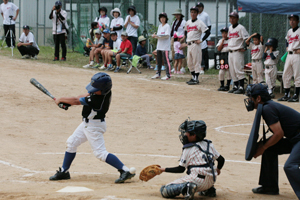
[142,129]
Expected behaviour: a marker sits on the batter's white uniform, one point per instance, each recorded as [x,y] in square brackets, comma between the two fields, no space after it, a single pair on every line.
[194,52]
[271,69]
[292,63]
[193,156]
[236,36]
[257,65]
[222,72]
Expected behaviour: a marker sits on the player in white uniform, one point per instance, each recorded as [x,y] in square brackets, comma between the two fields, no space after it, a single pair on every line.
[257,50]
[95,105]
[237,34]
[271,56]
[292,63]
[222,46]
[27,45]
[193,31]
[198,158]
[117,23]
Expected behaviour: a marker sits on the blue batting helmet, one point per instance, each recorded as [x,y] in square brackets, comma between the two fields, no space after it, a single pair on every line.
[58,3]
[100,82]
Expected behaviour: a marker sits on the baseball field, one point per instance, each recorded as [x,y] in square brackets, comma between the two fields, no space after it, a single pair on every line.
[142,130]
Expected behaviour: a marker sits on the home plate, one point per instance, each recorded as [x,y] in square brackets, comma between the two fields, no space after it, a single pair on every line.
[75,189]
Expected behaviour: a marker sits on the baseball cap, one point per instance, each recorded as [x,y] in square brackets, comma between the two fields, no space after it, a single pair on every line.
[199,4]
[113,33]
[106,31]
[256,89]
[98,31]
[26,27]
[234,14]
[124,33]
[58,3]
[295,16]
[194,8]
[163,14]
[224,29]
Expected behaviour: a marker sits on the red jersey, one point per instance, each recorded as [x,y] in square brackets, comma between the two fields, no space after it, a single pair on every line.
[126,44]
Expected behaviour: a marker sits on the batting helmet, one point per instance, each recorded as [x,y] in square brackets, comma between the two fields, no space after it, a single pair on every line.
[100,82]
[197,127]
[272,42]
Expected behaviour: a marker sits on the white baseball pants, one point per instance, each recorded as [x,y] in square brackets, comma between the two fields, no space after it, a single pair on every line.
[291,69]
[222,73]
[236,63]
[194,57]
[93,132]
[257,72]
[271,75]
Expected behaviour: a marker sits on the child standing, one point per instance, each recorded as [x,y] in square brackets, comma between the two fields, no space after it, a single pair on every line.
[117,22]
[178,54]
[223,48]
[103,20]
[271,56]
[132,23]
[163,46]
[257,49]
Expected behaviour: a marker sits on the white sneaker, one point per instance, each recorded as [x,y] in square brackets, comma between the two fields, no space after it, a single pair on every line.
[165,78]
[155,76]
[92,63]
[34,57]
[201,72]
[173,70]
[182,70]
[87,66]
[102,67]
[25,57]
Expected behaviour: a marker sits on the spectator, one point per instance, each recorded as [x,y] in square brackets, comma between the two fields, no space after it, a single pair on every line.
[106,45]
[27,45]
[204,17]
[178,54]
[117,22]
[103,20]
[108,54]
[177,26]
[142,51]
[97,43]
[132,23]
[9,12]
[163,46]
[87,47]
[124,51]
[59,25]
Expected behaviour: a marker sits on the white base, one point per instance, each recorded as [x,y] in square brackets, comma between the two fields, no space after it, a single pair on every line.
[75,189]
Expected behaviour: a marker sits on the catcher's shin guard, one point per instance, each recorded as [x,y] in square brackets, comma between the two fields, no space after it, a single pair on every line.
[172,190]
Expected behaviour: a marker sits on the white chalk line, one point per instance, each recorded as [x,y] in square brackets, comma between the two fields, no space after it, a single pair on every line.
[221,127]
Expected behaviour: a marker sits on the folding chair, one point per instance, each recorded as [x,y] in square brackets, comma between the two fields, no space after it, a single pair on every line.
[128,61]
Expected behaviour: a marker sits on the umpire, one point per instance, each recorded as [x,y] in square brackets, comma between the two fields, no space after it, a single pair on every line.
[284,123]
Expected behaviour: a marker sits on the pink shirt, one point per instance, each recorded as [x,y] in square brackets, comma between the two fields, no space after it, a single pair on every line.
[177,46]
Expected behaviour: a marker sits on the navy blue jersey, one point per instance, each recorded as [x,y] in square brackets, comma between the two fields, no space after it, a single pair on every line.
[96,106]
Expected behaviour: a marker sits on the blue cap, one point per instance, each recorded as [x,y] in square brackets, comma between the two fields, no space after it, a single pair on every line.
[106,31]
[58,3]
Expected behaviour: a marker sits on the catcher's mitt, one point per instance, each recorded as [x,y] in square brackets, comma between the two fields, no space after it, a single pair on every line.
[149,172]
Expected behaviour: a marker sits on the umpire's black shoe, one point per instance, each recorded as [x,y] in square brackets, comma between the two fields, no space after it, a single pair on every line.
[239,91]
[295,98]
[284,98]
[211,192]
[265,190]
[60,175]
[233,89]
[191,190]
[124,175]
[193,82]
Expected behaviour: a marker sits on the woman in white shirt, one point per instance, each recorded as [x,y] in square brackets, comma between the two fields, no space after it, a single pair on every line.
[117,22]
[103,20]
[132,23]
[163,46]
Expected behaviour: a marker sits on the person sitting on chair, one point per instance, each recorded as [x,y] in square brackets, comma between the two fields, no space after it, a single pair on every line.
[141,51]
[27,45]
[124,51]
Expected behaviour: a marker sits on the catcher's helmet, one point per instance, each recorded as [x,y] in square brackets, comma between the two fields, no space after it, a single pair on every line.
[100,82]
[272,42]
[197,127]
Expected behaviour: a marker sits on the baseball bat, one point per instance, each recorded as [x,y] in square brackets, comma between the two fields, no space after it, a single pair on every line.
[39,86]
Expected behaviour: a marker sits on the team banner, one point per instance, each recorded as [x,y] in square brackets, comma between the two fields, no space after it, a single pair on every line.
[221,60]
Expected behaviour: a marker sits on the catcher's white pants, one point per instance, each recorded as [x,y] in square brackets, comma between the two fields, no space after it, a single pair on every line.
[236,63]
[222,73]
[194,57]
[291,68]
[257,72]
[271,75]
[93,132]
[202,184]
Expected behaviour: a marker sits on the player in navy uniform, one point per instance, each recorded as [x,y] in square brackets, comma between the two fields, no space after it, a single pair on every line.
[284,123]
[95,105]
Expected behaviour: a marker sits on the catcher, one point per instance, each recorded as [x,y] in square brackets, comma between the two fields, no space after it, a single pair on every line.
[198,158]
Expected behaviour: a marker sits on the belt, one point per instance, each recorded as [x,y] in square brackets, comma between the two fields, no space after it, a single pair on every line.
[87,120]
[268,67]
[256,60]
[233,50]
[190,43]
[201,176]
[293,52]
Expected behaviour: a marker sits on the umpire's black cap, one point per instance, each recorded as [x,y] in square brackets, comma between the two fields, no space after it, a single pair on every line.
[256,89]
[224,29]
[199,4]
[295,16]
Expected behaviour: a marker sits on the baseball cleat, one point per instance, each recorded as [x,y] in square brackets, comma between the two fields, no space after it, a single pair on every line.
[222,88]
[233,89]
[155,76]
[124,175]
[191,189]
[239,91]
[165,78]
[193,82]
[226,88]
[211,192]
[265,190]
[294,98]
[284,98]
[60,175]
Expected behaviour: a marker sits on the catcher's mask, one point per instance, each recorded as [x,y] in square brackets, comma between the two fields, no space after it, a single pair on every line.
[197,127]
[254,90]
